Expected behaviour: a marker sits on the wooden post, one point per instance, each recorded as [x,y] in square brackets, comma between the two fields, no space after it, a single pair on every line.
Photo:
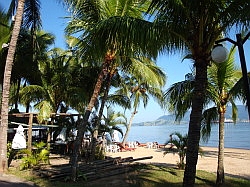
[30,132]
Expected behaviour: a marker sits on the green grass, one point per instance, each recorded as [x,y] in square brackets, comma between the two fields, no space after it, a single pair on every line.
[144,176]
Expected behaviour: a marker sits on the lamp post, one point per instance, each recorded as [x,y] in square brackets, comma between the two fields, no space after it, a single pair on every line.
[239,42]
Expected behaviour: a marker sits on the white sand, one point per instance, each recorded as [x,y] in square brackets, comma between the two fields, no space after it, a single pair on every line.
[236,161]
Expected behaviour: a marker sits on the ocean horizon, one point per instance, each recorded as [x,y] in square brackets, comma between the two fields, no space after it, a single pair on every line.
[236,135]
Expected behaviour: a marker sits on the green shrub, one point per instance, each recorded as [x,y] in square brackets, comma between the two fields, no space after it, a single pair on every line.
[38,155]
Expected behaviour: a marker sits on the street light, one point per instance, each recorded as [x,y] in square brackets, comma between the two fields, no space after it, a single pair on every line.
[220,54]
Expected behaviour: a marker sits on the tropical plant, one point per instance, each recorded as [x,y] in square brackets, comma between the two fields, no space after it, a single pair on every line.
[141,87]
[55,79]
[178,145]
[25,70]
[29,47]
[38,155]
[112,121]
[31,18]
[225,86]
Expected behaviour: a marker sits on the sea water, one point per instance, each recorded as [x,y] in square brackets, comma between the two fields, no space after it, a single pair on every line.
[236,135]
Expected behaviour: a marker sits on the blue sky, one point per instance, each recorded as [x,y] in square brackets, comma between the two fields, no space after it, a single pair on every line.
[52,16]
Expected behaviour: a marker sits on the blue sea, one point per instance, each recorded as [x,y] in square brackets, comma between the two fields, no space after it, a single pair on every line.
[236,135]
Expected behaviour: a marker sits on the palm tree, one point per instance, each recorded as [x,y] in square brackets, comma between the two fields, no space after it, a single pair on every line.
[224,86]
[55,80]
[31,18]
[137,87]
[30,25]
[86,18]
[6,85]
[25,69]
[180,142]
[113,119]
[180,26]
[141,86]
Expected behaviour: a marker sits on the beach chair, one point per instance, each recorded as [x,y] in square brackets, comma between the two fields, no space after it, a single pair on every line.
[150,145]
[125,148]
[112,148]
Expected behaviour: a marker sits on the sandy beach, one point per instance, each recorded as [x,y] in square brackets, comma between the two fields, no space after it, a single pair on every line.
[236,161]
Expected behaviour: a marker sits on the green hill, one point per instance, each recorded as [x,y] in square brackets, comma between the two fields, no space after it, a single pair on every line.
[170,119]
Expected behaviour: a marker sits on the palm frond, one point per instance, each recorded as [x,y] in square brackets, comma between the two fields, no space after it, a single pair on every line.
[32,18]
[209,117]
[178,98]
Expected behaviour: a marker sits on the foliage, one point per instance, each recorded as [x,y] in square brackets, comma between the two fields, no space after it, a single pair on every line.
[99,153]
[38,155]
[11,153]
[178,144]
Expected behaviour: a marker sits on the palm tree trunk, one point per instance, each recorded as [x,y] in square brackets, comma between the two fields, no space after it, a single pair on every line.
[220,168]
[128,127]
[95,134]
[17,94]
[195,123]
[6,86]
[82,126]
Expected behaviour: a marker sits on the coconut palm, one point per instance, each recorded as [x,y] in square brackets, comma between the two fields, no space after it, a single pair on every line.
[25,68]
[179,26]
[141,86]
[31,18]
[86,18]
[6,84]
[55,77]
[224,86]
[30,25]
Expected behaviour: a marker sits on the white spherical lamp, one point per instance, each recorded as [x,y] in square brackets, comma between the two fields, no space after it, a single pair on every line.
[219,54]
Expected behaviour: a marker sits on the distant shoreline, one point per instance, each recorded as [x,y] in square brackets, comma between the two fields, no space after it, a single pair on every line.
[163,122]
[236,136]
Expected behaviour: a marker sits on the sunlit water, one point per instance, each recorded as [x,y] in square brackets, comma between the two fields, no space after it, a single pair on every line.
[236,135]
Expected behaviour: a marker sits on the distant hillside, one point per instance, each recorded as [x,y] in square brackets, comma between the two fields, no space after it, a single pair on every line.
[170,119]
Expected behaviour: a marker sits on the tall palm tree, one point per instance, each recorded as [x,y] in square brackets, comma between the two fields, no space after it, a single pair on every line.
[6,84]
[179,26]
[31,24]
[86,18]
[224,87]
[141,86]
